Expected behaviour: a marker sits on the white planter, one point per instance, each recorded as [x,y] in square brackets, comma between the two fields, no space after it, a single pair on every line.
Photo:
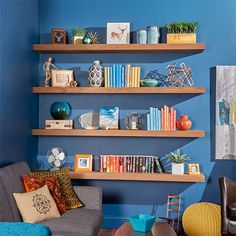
[177,169]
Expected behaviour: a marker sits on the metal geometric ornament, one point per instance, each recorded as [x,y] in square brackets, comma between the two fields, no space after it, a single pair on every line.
[94,37]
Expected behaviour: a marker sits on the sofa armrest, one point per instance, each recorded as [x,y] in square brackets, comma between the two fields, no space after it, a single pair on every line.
[91,197]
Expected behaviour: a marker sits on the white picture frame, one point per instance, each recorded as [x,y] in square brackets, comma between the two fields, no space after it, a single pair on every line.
[118,33]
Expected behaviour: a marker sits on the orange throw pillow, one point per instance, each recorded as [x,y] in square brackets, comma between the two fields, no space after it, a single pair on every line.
[34,183]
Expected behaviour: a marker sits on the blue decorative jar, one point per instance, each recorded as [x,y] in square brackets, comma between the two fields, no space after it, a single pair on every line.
[153,34]
[141,36]
[60,110]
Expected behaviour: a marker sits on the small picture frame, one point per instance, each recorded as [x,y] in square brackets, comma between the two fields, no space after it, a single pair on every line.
[118,33]
[58,36]
[194,169]
[83,162]
[62,78]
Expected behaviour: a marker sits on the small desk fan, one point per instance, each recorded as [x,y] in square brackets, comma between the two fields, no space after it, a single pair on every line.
[56,158]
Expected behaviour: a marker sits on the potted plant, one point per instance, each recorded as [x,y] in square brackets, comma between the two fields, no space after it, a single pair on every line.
[182,32]
[177,160]
[78,35]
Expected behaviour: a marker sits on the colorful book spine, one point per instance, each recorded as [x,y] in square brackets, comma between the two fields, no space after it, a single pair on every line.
[111,76]
[122,76]
[148,122]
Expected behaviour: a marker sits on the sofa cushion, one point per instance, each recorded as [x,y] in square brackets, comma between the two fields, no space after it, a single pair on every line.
[81,221]
[11,182]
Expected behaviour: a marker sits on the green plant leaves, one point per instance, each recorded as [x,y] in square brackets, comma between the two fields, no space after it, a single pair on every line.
[177,157]
[182,27]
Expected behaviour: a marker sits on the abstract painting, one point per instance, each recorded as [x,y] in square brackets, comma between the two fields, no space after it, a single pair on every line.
[225,112]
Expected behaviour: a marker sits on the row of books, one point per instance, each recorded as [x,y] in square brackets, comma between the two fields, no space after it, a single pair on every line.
[130,163]
[161,119]
[118,75]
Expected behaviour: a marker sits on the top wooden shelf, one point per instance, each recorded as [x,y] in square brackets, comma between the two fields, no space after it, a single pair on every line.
[118,48]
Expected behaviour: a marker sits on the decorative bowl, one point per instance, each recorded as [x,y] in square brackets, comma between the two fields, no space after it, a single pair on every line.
[149,83]
[142,222]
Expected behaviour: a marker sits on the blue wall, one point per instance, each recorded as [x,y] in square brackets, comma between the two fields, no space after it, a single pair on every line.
[19,24]
[217,23]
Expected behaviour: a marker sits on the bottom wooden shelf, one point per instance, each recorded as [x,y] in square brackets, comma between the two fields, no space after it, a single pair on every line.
[165,177]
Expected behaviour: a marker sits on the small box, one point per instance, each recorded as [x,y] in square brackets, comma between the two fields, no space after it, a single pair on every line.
[142,223]
[59,124]
[181,38]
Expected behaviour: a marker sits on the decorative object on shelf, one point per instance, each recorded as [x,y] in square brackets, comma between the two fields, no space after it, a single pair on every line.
[225,120]
[160,78]
[47,68]
[78,35]
[153,34]
[94,37]
[62,78]
[177,160]
[58,36]
[194,169]
[118,33]
[142,223]
[184,123]
[56,158]
[59,124]
[134,121]
[109,118]
[180,76]
[141,36]
[148,83]
[73,84]
[89,120]
[83,162]
[182,32]
[95,76]
[87,39]
[60,110]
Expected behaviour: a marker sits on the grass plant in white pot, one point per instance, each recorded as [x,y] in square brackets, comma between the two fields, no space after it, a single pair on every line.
[177,160]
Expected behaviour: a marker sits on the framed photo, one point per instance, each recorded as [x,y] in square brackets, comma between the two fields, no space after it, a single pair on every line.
[58,36]
[109,118]
[194,169]
[83,162]
[62,78]
[118,33]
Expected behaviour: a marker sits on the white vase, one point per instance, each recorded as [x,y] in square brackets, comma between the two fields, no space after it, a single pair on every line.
[177,169]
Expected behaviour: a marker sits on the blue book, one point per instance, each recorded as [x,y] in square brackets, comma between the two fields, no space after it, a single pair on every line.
[151,118]
[155,118]
[123,76]
[114,75]
[118,75]
[159,119]
[111,76]
[148,121]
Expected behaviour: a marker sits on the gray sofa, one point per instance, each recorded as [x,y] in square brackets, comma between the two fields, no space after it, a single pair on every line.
[84,221]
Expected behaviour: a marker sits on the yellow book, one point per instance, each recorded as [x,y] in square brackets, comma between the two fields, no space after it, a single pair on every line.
[105,76]
[139,75]
[108,76]
[133,77]
[128,75]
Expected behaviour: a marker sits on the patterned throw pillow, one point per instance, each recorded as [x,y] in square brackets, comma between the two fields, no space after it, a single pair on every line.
[34,183]
[67,192]
[36,206]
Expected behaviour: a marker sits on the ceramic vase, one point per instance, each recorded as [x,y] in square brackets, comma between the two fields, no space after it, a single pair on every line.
[177,168]
[77,40]
[184,123]
[96,75]
[60,110]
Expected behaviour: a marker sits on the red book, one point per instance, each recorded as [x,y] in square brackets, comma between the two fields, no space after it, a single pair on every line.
[101,163]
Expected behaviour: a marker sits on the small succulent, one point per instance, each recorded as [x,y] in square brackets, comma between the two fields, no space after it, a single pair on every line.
[182,27]
[80,32]
[177,157]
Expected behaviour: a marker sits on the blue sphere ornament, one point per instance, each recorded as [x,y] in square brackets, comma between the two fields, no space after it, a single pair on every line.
[60,110]
[87,40]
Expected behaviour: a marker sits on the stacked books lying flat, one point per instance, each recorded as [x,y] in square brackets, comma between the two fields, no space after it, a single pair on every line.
[161,119]
[122,76]
[128,163]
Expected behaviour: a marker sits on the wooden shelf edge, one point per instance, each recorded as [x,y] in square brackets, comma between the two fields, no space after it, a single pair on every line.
[118,48]
[103,90]
[119,133]
[164,177]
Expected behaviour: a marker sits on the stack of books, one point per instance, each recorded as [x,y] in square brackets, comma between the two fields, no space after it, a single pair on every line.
[118,75]
[161,119]
[128,163]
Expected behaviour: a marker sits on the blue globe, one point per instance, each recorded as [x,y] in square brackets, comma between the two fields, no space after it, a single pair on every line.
[60,110]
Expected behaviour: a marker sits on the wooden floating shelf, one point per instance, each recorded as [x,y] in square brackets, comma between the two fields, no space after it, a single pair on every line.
[119,133]
[165,177]
[103,90]
[118,48]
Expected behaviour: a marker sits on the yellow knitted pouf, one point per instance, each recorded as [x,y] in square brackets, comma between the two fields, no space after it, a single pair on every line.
[202,219]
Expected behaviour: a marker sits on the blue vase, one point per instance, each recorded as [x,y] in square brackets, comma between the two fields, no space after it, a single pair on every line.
[60,110]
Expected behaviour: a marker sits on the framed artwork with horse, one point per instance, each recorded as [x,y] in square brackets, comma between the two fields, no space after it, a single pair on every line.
[118,33]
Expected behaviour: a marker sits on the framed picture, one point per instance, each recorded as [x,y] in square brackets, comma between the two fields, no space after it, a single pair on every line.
[109,118]
[118,33]
[83,162]
[58,36]
[225,130]
[194,169]
[62,78]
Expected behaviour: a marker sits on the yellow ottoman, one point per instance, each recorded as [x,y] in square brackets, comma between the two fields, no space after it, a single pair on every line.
[202,219]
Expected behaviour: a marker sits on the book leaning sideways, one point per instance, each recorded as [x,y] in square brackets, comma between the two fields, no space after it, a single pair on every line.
[109,118]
